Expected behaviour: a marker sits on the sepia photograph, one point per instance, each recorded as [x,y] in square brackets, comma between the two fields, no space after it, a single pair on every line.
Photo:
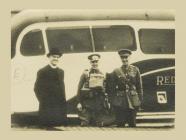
[92,69]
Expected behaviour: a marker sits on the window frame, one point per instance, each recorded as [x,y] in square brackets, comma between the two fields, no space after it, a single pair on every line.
[39,26]
[42,37]
[136,25]
[153,53]
[71,27]
[132,30]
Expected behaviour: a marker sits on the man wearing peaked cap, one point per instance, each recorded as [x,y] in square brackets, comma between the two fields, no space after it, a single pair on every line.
[125,89]
[90,94]
[94,57]
[94,61]
[50,91]
[124,52]
[125,56]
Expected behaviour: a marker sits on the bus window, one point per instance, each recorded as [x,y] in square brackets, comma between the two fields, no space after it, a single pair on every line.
[113,38]
[157,41]
[70,40]
[32,44]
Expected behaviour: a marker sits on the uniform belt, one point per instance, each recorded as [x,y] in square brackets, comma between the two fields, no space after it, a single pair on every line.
[92,94]
[120,93]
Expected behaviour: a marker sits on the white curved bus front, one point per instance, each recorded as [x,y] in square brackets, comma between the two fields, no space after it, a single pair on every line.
[24,69]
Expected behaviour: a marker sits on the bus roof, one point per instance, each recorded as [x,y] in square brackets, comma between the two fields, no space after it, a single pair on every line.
[28,17]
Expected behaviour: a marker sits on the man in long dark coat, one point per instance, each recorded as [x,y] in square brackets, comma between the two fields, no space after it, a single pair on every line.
[50,91]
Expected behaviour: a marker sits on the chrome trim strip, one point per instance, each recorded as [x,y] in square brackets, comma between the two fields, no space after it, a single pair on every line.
[159,70]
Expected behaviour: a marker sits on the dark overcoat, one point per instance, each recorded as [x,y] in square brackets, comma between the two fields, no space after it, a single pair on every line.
[50,91]
[116,83]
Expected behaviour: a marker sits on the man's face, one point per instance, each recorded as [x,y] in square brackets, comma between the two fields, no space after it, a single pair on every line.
[54,59]
[94,64]
[125,60]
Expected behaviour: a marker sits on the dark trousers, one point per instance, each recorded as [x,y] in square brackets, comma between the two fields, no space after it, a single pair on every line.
[90,117]
[124,116]
[96,118]
[93,109]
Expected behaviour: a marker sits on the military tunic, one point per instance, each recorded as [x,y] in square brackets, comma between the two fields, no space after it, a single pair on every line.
[125,111]
[92,100]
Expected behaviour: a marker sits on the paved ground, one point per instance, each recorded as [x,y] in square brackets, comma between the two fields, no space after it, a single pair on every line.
[139,127]
[145,121]
[77,128]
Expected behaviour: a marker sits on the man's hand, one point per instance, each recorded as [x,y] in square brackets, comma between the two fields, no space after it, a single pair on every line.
[79,107]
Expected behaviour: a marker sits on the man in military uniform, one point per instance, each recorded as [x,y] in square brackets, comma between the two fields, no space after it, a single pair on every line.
[125,90]
[90,93]
[50,91]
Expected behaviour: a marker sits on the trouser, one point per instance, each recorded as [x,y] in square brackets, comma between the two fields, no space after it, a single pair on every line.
[91,117]
[88,116]
[93,109]
[97,118]
[124,116]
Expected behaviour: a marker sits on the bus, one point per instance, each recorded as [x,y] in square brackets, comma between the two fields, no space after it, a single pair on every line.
[149,34]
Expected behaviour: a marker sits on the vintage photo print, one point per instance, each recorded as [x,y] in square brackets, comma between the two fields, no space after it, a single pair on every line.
[93,69]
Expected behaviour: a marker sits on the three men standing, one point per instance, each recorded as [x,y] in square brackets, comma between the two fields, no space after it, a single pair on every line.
[123,85]
[50,91]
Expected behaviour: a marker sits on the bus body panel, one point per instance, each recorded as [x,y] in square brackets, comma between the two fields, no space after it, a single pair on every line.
[24,68]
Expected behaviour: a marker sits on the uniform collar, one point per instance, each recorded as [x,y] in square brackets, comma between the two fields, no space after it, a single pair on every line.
[124,67]
[94,70]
